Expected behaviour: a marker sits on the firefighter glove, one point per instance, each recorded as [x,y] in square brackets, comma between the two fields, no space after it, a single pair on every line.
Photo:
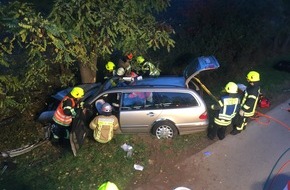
[82,105]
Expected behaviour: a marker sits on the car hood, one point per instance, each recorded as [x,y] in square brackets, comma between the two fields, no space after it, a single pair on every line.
[90,89]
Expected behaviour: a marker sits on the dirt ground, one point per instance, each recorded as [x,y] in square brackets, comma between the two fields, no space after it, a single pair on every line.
[165,171]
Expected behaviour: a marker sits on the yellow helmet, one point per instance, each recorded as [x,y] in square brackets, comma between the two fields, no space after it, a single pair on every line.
[253,76]
[77,92]
[232,88]
[108,186]
[140,59]
[110,66]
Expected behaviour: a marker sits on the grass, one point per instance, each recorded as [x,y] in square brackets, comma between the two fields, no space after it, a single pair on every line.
[94,164]
[50,167]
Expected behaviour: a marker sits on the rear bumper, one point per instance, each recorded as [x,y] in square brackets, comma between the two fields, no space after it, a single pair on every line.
[184,130]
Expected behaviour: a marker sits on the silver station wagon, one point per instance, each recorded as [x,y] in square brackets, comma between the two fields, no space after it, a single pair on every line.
[165,106]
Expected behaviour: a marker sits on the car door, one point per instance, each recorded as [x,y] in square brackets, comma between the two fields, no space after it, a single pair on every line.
[138,112]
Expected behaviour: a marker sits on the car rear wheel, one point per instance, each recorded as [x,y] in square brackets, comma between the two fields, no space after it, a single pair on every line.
[164,130]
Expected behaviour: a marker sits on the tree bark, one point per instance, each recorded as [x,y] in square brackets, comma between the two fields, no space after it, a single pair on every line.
[88,74]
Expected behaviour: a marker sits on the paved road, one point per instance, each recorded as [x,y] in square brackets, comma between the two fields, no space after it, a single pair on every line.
[256,159]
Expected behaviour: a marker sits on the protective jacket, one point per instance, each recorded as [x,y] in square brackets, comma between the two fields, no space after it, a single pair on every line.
[126,65]
[65,111]
[150,69]
[228,107]
[104,127]
[250,99]
[109,74]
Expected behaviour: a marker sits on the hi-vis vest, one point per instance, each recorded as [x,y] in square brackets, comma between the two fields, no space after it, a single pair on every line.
[59,117]
[250,101]
[229,106]
[103,127]
[153,71]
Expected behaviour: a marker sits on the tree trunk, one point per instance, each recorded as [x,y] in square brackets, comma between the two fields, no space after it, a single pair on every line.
[88,75]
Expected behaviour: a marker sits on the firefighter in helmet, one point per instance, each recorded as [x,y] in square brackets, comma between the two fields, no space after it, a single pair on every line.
[65,112]
[226,110]
[108,186]
[104,124]
[147,68]
[110,70]
[249,102]
[125,63]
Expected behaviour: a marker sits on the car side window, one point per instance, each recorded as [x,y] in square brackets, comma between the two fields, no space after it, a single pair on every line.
[157,100]
[136,100]
[174,100]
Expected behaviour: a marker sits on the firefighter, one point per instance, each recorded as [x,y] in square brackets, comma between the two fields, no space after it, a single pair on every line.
[65,112]
[110,70]
[125,63]
[249,102]
[104,124]
[226,110]
[147,68]
[108,186]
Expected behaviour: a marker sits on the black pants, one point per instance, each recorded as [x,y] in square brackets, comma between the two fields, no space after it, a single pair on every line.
[61,132]
[240,123]
[217,130]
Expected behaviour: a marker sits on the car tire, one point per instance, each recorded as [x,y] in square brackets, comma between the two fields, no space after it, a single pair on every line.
[164,130]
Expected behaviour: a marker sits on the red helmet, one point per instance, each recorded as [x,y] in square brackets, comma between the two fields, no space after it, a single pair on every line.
[130,56]
[133,74]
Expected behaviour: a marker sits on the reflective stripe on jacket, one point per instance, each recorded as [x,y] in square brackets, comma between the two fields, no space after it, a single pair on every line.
[250,100]
[228,109]
[222,122]
[104,127]
[153,70]
[60,117]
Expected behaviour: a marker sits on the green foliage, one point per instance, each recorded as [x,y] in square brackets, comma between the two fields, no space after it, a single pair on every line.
[104,26]
[24,68]
[74,33]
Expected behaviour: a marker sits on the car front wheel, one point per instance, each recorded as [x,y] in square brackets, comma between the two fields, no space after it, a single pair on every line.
[164,130]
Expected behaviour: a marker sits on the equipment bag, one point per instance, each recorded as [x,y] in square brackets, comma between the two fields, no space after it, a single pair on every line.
[264,102]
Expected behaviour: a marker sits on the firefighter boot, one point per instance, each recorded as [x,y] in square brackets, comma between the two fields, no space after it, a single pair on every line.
[235,132]
[211,133]
[55,132]
[221,132]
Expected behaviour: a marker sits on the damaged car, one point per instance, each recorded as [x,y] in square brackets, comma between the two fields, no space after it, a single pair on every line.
[165,106]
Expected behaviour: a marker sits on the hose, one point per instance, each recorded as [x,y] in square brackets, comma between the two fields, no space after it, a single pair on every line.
[206,89]
[279,171]
[258,114]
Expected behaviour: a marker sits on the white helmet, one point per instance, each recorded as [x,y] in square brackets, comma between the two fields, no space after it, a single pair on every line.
[121,71]
[107,108]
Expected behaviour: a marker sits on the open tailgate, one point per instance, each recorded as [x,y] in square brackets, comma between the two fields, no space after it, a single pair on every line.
[198,65]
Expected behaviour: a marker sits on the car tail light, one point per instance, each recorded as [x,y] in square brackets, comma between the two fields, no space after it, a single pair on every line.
[203,116]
